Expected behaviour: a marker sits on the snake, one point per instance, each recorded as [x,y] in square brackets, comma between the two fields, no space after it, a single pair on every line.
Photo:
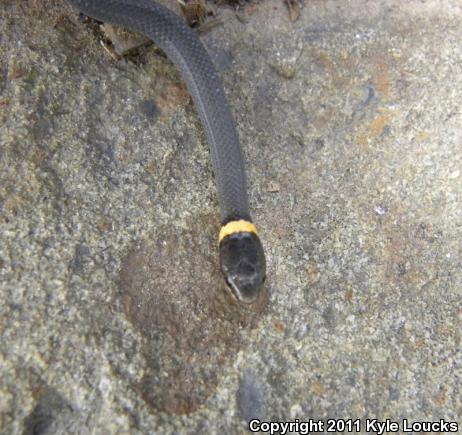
[241,254]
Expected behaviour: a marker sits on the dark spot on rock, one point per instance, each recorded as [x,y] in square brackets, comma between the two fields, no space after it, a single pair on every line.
[52,415]
[425,232]
[401,268]
[329,317]
[250,397]
[81,258]
[52,186]
[421,231]
[41,129]
[386,130]
[101,155]
[3,78]
[175,296]
[149,109]
[369,94]
[318,145]
[394,394]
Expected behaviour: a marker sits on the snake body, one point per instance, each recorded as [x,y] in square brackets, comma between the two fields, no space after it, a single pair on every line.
[241,254]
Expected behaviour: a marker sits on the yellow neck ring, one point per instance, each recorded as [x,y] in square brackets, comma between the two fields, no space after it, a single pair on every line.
[240,226]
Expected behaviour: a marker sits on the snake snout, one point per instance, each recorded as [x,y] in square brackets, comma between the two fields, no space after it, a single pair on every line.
[243,264]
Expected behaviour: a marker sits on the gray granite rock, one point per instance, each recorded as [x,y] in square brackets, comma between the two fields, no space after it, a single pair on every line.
[113,314]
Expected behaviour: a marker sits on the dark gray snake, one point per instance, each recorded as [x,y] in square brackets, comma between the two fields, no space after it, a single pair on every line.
[242,258]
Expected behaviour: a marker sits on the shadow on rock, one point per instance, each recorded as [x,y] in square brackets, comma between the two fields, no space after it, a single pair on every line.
[174,295]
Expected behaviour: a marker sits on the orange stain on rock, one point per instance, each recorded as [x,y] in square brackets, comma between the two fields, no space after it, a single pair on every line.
[378,124]
[317,388]
[322,58]
[373,130]
[171,95]
[278,326]
[382,80]
[440,397]
[349,295]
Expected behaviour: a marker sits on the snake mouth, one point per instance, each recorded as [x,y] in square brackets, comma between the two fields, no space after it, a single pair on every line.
[247,295]
[242,262]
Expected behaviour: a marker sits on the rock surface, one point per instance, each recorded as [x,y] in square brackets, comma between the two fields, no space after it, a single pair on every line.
[113,315]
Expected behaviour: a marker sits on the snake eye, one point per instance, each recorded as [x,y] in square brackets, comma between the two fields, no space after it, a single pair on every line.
[243,265]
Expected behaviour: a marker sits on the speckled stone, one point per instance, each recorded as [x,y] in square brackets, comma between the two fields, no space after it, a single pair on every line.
[113,315]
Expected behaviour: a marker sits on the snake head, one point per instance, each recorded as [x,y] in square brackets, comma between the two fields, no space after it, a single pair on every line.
[243,264]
